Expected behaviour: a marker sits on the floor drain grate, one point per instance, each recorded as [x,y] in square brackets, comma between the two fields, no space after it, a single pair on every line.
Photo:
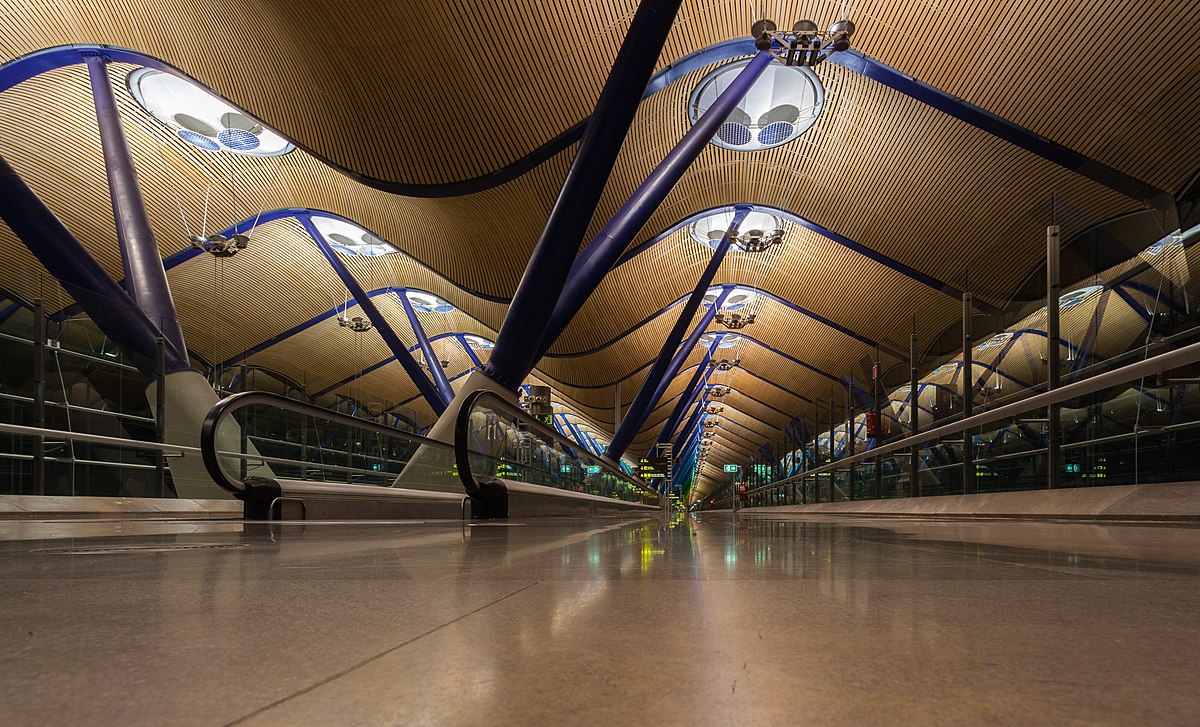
[153,548]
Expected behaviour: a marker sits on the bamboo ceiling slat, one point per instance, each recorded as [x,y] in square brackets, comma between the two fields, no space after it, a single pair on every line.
[878,167]
[406,135]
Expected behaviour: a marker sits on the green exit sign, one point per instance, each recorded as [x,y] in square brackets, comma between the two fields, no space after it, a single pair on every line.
[593,469]
[731,468]
[1073,468]
[565,469]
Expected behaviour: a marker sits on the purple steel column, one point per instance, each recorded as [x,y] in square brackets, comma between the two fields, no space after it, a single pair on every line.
[692,420]
[399,350]
[145,277]
[699,379]
[432,361]
[665,367]
[83,277]
[470,353]
[607,246]
[517,343]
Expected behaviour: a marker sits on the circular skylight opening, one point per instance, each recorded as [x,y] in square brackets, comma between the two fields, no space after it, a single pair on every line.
[737,299]
[728,340]
[784,102]
[350,239]
[479,343]
[758,231]
[1075,297]
[995,341]
[428,302]
[200,118]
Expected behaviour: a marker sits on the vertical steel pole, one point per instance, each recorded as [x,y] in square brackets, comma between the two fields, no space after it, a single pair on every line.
[850,440]
[1053,428]
[39,394]
[968,396]
[160,419]
[817,450]
[877,407]
[914,424]
[832,444]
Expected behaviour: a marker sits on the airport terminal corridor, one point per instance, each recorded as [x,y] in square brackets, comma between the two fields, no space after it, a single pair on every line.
[619,362]
[712,618]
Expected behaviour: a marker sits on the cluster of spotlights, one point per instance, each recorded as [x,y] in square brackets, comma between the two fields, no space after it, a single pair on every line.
[726,364]
[218,245]
[358,324]
[425,365]
[718,391]
[714,409]
[804,44]
[734,321]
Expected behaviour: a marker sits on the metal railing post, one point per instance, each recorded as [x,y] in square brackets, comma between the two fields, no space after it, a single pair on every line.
[968,395]
[39,394]
[1053,378]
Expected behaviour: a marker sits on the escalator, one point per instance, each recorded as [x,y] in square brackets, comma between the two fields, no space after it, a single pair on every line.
[286,460]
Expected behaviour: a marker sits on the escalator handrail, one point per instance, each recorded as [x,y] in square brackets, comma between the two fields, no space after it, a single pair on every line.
[462,450]
[225,407]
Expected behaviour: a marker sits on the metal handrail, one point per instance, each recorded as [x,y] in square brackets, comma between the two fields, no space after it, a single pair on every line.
[462,450]
[1189,354]
[221,410]
[98,439]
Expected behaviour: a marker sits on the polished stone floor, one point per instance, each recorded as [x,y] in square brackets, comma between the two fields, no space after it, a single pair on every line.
[711,620]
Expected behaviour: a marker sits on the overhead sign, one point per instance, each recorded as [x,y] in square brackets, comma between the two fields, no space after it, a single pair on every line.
[731,468]
[593,469]
[654,468]
[565,469]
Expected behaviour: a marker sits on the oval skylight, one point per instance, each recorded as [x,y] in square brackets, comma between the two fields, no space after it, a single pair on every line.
[200,118]
[728,340]
[1075,297]
[784,102]
[350,239]
[479,343]
[428,302]
[758,226]
[737,299]
[995,341]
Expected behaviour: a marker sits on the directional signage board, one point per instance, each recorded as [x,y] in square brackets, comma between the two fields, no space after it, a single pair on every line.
[593,469]
[731,468]
[653,468]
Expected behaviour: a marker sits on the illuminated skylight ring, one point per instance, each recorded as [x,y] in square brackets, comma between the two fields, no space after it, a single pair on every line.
[782,104]
[349,239]
[201,118]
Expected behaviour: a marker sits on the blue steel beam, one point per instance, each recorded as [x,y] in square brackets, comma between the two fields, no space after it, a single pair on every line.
[83,277]
[380,364]
[525,323]
[146,280]
[462,339]
[699,379]
[432,362]
[9,311]
[605,249]
[667,365]
[399,350]
[986,121]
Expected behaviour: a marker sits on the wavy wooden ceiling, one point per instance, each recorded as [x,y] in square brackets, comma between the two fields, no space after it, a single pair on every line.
[409,93]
